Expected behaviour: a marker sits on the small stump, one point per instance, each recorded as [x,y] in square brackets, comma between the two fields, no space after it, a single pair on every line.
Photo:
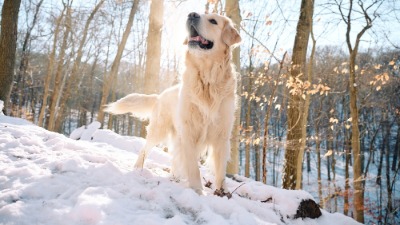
[308,209]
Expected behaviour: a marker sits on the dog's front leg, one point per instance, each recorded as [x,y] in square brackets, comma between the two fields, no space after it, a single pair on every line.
[190,161]
[220,156]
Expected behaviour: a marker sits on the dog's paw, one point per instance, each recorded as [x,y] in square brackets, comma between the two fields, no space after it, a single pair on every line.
[200,192]
[138,164]
[222,193]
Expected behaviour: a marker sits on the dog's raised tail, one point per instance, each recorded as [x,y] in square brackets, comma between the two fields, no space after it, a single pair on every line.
[140,105]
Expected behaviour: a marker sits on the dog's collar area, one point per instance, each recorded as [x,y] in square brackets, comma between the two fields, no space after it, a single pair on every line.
[195,39]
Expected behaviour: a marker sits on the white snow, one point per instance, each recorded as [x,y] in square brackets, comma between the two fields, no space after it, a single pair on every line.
[47,178]
[1,107]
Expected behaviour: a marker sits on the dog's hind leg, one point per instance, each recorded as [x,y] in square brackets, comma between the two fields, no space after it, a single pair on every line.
[157,132]
[144,153]
[152,139]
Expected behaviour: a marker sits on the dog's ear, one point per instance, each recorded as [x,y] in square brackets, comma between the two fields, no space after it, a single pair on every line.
[185,42]
[230,35]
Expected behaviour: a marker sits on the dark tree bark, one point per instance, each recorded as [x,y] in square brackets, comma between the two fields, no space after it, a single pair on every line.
[8,45]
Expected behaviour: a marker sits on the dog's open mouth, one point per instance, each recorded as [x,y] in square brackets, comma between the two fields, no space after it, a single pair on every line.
[195,39]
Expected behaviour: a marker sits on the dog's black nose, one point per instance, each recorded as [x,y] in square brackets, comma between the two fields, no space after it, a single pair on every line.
[193,15]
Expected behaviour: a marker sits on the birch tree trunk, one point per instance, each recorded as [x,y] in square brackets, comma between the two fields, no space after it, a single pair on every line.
[8,45]
[294,113]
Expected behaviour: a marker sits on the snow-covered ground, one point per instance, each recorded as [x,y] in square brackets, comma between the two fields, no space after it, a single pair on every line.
[47,178]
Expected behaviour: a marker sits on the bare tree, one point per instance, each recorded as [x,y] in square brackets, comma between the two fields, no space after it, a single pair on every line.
[18,89]
[8,45]
[50,68]
[72,81]
[306,106]
[295,136]
[108,80]
[153,52]
[355,132]
[59,77]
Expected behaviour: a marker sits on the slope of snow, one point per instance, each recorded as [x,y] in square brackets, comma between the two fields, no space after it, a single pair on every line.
[47,178]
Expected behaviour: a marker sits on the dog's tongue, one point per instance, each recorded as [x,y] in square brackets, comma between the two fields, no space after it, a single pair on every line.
[199,39]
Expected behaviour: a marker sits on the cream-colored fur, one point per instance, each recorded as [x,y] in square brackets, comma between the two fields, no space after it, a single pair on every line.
[198,114]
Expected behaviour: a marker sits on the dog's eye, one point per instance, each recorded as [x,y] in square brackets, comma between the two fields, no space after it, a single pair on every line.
[213,21]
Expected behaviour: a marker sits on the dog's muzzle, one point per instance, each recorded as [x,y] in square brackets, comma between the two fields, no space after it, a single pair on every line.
[195,39]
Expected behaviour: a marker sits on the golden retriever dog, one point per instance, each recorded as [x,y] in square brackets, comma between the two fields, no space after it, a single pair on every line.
[198,114]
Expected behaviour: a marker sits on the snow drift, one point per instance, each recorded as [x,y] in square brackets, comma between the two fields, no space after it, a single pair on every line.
[47,178]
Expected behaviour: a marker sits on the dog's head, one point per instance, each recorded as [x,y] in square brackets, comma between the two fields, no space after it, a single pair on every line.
[210,33]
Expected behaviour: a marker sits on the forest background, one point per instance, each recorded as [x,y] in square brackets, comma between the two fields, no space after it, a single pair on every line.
[327,121]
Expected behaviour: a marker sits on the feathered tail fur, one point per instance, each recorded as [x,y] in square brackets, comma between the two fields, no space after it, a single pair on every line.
[140,105]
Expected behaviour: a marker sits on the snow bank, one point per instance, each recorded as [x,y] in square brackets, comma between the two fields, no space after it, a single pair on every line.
[46,178]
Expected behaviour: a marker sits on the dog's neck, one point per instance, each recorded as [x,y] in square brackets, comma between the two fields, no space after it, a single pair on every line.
[208,83]
[209,71]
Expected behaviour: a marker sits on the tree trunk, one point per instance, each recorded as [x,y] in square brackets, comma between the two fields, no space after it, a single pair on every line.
[58,82]
[347,153]
[386,148]
[248,128]
[355,146]
[306,106]
[248,133]
[115,66]
[72,81]
[8,46]
[232,10]
[153,52]
[17,93]
[318,150]
[347,176]
[266,124]
[294,113]
[111,118]
[396,151]
[49,70]
[257,159]
[355,132]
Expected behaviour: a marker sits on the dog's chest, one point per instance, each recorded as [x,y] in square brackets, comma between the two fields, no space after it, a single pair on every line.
[209,96]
